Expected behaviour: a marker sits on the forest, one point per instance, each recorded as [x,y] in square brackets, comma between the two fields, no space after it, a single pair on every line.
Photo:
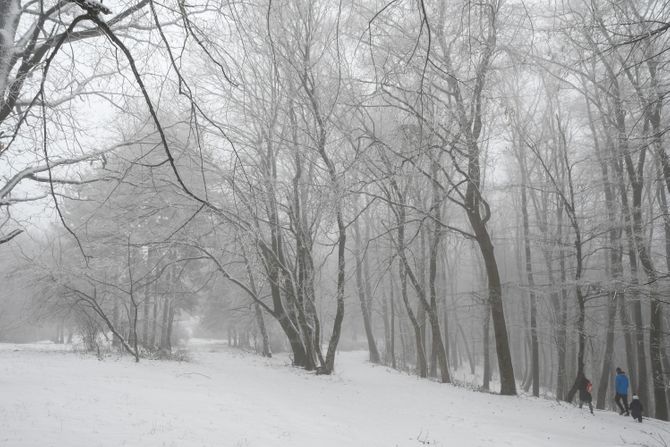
[473,192]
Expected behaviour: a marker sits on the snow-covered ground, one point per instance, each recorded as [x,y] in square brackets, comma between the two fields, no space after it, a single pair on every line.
[51,397]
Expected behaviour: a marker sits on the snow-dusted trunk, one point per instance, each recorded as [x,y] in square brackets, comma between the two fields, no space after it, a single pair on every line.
[619,159]
[339,313]
[439,349]
[606,371]
[665,211]
[421,365]
[265,339]
[391,346]
[486,348]
[115,322]
[303,291]
[154,320]
[165,326]
[558,296]
[430,313]
[655,334]
[535,355]
[146,316]
[338,191]
[9,20]
[615,266]
[653,110]
[386,317]
[508,385]
[260,321]
[363,297]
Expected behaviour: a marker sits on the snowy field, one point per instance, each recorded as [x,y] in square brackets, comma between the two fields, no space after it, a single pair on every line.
[52,397]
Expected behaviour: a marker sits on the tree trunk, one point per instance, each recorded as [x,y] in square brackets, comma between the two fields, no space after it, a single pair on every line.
[116,342]
[280,313]
[165,341]
[363,299]
[339,313]
[485,348]
[10,13]
[506,370]
[170,323]
[421,366]
[145,321]
[260,322]
[606,372]
[392,332]
[154,322]
[387,327]
[535,353]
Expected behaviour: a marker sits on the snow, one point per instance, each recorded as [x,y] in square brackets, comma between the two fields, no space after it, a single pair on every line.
[224,397]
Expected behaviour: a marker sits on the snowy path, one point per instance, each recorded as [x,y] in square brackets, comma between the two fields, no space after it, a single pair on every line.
[56,398]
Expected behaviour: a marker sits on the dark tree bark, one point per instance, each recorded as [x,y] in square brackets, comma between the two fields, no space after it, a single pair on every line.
[165,339]
[258,312]
[535,355]
[469,118]
[421,364]
[115,322]
[146,306]
[615,269]
[364,298]
[486,337]
[390,346]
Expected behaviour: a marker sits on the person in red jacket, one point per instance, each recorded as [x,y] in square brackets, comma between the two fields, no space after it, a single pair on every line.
[585,396]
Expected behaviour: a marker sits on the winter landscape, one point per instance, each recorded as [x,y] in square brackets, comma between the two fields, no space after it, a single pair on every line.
[231,398]
[334,223]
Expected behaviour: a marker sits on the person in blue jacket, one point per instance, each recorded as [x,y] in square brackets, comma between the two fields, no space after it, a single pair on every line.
[621,388]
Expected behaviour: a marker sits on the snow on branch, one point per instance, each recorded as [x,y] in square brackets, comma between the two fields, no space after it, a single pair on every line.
[93,6]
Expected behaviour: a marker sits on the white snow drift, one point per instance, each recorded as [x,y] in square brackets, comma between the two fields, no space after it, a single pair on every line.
[227,398]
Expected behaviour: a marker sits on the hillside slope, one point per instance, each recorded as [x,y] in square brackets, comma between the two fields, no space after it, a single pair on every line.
[228,398]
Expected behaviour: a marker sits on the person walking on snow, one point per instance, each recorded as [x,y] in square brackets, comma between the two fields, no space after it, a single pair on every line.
[621,388]
[585,397]
[636,408]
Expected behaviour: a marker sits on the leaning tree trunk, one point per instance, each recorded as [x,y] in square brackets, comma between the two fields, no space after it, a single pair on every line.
[506,370]
[470,125]
[473,204]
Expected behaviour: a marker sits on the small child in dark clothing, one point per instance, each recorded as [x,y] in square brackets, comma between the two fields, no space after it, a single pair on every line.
[636,408]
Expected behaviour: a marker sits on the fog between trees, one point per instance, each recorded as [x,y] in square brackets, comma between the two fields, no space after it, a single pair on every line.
[474,192]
